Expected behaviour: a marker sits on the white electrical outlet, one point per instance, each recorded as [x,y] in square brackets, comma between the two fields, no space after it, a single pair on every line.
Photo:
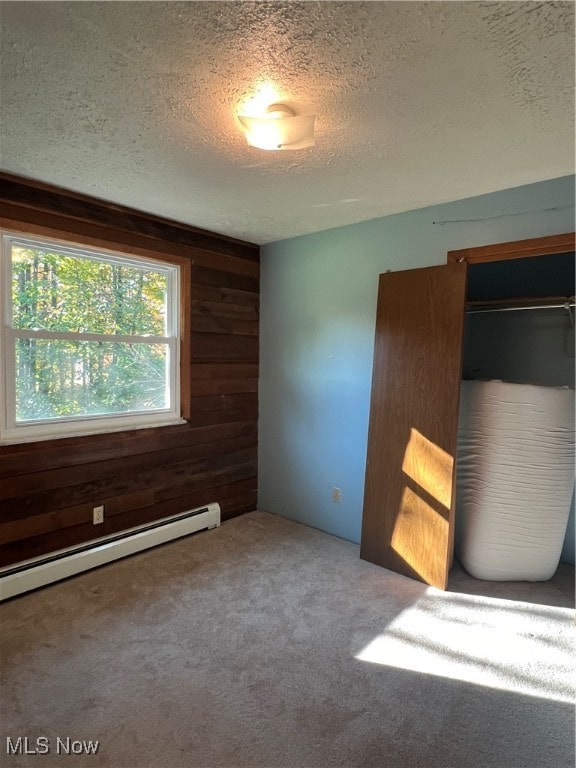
[98,515]
[336,495]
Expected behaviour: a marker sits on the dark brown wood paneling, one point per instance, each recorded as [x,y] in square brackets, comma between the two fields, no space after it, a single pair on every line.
[219,371]
[53,454]
[210,418]
[225,387]
[215,279]
[223,379]
[25,527]
[229,295]
[48,488]
[126,467]
[106,237]
[223,310]
[239,505]
[38,198]
[225,402]
[408,520]
[228,348]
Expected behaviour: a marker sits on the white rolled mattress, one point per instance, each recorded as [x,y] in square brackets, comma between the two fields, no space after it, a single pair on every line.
[515,476]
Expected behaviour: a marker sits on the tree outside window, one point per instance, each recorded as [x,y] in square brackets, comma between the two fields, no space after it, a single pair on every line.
[90,340]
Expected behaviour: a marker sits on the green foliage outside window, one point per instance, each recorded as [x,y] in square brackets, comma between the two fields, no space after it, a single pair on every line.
[68,293]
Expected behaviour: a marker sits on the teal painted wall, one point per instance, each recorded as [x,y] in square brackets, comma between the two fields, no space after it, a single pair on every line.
[318,309]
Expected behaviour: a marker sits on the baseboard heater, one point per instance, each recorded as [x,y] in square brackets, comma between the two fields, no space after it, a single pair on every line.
[40,571]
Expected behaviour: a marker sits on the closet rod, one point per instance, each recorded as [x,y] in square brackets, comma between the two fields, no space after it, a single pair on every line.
[568,305]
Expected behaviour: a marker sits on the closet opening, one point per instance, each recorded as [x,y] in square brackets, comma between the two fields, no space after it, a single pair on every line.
[409,513]
[519,322]
[519,330]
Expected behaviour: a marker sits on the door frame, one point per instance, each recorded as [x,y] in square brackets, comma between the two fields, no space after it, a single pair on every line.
[515,249]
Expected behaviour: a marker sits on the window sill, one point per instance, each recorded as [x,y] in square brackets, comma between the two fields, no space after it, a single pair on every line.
[19,439]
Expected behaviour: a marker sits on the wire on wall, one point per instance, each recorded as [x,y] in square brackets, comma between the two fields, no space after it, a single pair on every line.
[502,215]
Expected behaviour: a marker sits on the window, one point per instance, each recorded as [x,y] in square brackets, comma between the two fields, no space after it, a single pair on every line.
[90,340]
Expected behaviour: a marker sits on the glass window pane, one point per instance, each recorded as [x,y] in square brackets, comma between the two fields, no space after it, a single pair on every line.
[64,292]
[56,378]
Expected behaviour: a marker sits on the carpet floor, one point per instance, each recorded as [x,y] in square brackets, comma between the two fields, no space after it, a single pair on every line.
[267,644]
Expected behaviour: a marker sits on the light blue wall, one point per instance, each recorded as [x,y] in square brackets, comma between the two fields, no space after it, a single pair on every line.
[318,308]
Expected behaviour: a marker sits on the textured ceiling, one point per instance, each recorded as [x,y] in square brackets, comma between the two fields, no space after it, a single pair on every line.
[416,104]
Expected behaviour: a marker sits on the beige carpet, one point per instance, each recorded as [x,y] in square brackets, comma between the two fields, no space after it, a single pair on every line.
[267,644]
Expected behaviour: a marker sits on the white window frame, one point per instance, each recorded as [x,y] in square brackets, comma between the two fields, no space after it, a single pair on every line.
[12,431]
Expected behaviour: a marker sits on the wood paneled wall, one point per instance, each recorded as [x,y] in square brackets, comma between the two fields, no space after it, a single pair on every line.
[49,488]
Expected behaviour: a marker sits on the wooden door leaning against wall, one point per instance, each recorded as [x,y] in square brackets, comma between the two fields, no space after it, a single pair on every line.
[408,515]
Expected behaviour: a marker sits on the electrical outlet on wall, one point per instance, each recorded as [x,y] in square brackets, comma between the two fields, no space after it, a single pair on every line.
[98,515]
[336,495]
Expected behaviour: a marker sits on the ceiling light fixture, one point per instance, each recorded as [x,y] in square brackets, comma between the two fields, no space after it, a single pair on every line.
[280,128]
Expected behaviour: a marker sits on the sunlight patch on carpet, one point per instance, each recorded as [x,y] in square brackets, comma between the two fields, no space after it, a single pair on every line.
[511,646]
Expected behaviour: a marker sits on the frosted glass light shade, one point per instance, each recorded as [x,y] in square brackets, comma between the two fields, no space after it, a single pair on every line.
[280,129]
